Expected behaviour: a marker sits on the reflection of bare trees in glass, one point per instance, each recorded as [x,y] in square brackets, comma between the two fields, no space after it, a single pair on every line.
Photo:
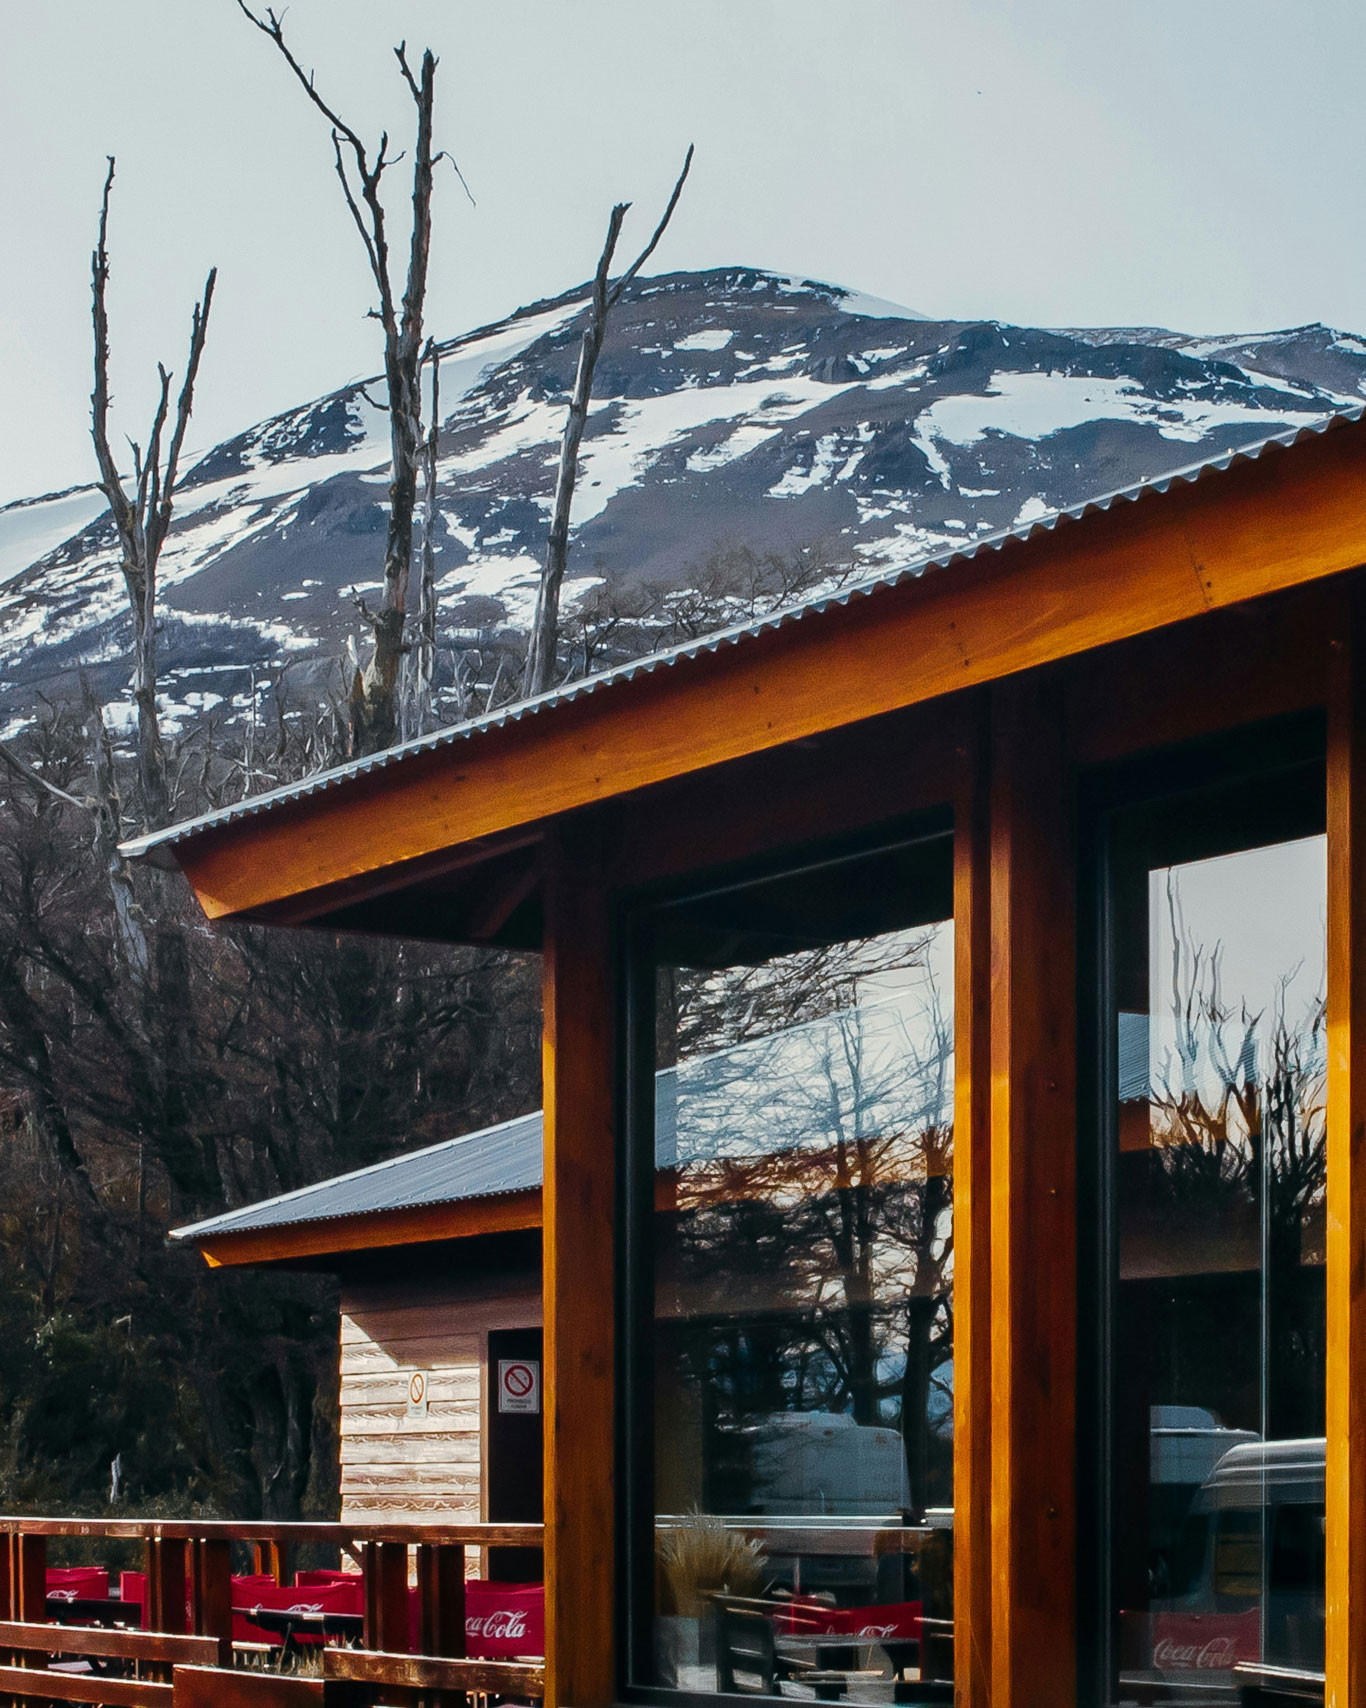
[813,1249]
[1235,1170]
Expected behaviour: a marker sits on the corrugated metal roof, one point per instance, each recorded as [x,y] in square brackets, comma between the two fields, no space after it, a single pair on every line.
[487,1164]
[496,1160]
[162,841]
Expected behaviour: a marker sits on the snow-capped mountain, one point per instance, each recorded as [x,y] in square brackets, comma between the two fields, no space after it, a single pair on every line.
[731,407]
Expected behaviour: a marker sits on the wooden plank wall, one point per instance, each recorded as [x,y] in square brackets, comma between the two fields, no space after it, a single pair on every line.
[394,1466]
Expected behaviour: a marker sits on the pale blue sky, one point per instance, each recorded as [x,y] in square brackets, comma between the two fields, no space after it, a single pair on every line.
[1192,163]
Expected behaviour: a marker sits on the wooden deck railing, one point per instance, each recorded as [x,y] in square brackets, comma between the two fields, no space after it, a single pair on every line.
[189,1565]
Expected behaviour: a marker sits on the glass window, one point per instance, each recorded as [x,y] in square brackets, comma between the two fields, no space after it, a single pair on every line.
[1216,1176]
[799,1288]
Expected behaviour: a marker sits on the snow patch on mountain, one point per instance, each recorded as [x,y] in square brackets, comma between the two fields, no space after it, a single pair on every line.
[730,407]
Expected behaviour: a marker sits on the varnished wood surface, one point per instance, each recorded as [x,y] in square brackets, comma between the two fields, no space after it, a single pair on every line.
[245,1530]
[972,1296]
[423,1672]
[1345,1517]
[1033,1214]
[214,1687]
[579,1277]
[379,1230]
[51,1639]
[35,1685]
[1291,517]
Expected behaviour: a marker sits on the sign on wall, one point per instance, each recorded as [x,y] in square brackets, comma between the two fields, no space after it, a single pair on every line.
[417,1394]
[519,1384]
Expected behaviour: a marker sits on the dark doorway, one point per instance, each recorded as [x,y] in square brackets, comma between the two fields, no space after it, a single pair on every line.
[515,1449]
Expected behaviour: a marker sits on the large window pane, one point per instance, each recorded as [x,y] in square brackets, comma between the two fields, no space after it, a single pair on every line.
[1217,1354]
[802,1261]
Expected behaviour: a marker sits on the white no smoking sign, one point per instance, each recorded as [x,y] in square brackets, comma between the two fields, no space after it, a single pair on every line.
[519,1384]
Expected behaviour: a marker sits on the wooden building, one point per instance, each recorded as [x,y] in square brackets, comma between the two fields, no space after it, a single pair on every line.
[437,1253]
[1029,887]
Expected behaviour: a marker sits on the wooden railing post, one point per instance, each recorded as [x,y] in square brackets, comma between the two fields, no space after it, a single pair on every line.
[1033,1211]
[972,1217]
[386,1596]
[441,1600]
[578,1018]
[211,1593]
[1345,1518]
[28,1591]
[167,1591]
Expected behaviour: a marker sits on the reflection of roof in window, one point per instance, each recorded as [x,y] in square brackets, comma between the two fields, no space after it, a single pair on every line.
[756,1090]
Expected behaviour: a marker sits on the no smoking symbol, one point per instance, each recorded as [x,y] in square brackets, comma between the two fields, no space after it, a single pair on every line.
[519,1384]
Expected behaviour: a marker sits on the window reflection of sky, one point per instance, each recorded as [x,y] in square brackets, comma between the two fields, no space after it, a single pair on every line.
[1237,948]
[878,1070]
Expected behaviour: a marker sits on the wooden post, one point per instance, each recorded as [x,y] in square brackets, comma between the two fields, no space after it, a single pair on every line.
[441,1598]
[1345,1517]
[385,1567]
[972,1218]
[270,1557]
[211,1593]
[28,1589]
[1033,1229]
[579,1282]
[166,1585]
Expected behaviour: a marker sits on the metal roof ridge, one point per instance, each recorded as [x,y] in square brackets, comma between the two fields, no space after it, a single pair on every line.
[149,844]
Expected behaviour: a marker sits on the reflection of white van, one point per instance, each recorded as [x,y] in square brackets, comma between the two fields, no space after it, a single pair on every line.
[1255,1529]
[811,1463]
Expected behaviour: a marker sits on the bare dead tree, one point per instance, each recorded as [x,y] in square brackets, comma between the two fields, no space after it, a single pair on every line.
[545,631]
[143,520]
[375,686]
[423,657]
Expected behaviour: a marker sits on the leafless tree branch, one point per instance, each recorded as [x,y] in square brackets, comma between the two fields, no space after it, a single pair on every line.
[539,674]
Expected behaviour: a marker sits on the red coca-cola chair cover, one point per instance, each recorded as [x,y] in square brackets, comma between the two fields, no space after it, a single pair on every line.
[335,1597]
[1204,1642]
[890,1621]
[78,1583]
[503,1620]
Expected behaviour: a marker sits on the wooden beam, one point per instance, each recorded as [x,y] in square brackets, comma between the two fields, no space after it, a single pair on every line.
[579,1275]
[39,1685]
[972,1217]
[506,1213]
[1292,516]
[1345,1518]
[422,1672]
[217,1687]
[1033,1214]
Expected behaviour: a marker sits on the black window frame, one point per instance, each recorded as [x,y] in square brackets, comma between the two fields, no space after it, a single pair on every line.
[1195,772]
[635,1164]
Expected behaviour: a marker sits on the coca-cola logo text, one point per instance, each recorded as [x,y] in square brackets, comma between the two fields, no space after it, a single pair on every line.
[504,1626]
[1216,1655]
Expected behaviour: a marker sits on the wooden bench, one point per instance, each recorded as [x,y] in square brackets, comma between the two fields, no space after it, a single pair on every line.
[151,1649]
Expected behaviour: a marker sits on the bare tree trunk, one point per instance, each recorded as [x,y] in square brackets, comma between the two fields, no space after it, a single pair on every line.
[539,675]
[108,826]
[142,521]
[374,695]
[425,651]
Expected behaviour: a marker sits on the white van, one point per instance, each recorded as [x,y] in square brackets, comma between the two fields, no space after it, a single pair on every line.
[1254,1538]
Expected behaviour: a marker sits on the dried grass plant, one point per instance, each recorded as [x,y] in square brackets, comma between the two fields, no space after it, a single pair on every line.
[700,1557]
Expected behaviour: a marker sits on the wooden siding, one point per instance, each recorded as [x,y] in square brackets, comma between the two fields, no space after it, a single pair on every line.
[394,1466]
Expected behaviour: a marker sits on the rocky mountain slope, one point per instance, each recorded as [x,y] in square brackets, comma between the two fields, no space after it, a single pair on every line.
[731,407]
